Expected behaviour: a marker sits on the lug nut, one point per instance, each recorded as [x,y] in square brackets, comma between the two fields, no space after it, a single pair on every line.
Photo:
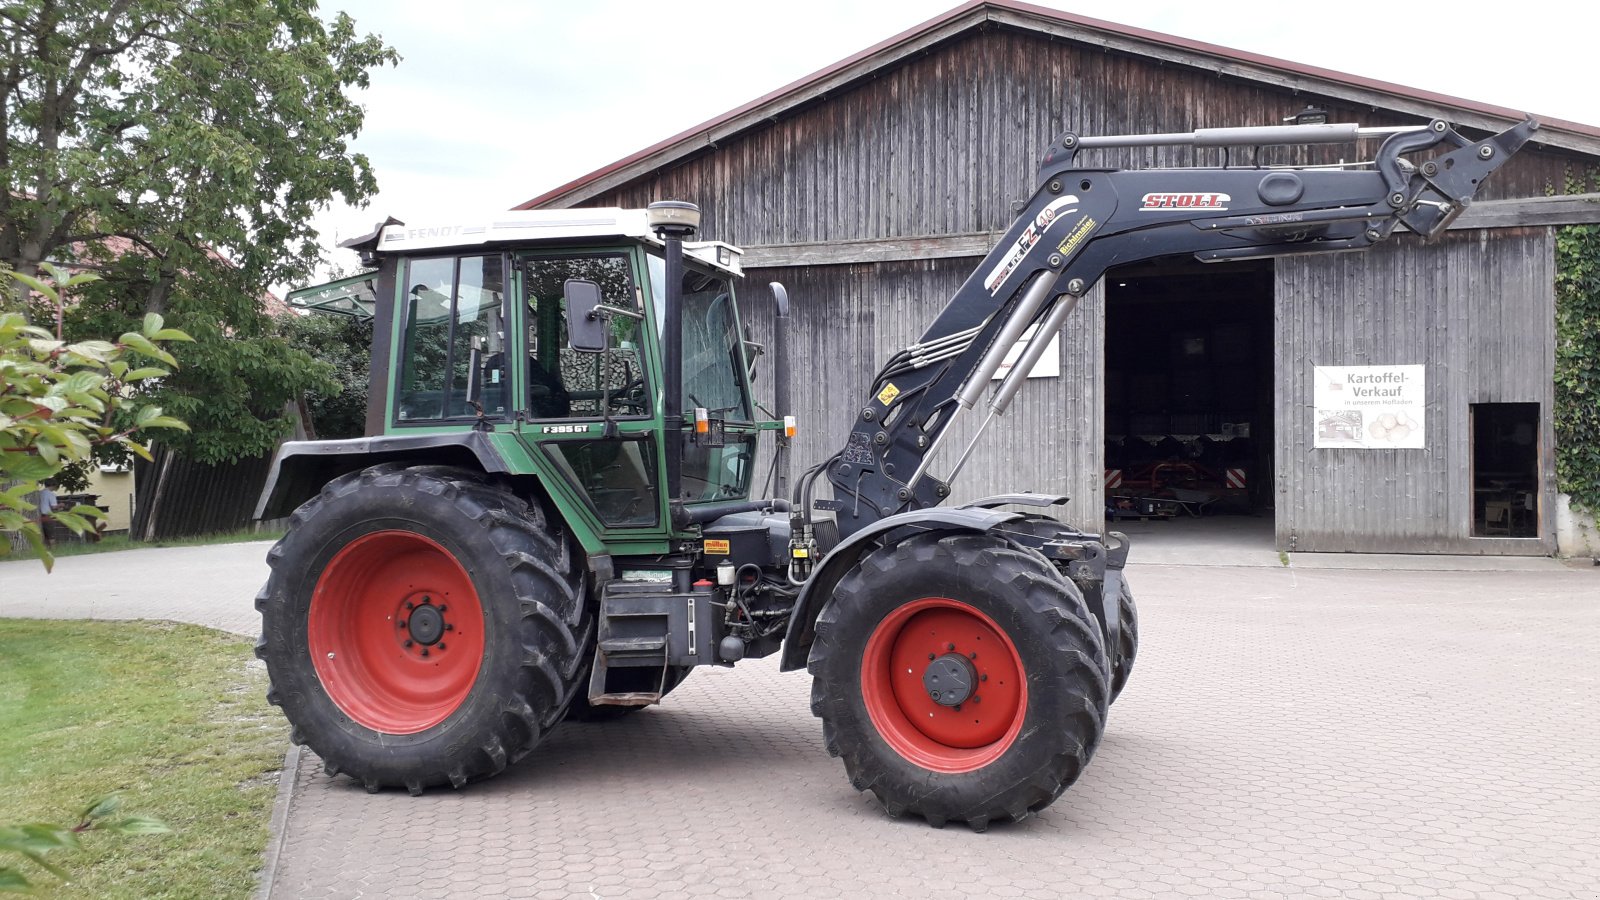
[931,656]
[974,654]
[441,645]
[449,627]
[408,643]
[983,677]
[400,623]
[424,651]
[950,646]
[443,608]
[977,699]
[410,605]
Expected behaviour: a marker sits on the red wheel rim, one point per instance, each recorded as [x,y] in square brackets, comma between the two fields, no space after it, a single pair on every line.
[396,632]
[944,738]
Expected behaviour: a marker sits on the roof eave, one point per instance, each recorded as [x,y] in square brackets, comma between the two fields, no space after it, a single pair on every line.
[1559,133]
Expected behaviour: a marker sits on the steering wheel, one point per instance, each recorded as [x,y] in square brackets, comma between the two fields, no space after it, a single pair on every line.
[630,397]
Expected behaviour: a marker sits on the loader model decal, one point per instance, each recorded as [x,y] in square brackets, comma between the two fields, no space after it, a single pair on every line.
[1030,236]
[1083,229]
[1161,201]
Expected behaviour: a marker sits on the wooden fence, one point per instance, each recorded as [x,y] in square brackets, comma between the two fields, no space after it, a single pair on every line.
[175,497]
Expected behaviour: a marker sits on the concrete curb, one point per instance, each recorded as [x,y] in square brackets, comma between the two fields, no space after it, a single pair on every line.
[279,827]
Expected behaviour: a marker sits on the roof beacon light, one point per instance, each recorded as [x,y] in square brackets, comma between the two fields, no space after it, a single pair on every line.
[789,427]
[702,420]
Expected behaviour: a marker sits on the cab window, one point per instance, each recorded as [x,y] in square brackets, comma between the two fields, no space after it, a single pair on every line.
[453,349]
[565,383]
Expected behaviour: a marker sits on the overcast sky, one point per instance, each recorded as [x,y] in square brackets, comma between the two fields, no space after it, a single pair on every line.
[498,101]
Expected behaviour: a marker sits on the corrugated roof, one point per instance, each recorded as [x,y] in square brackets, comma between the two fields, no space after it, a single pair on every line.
[1098,32]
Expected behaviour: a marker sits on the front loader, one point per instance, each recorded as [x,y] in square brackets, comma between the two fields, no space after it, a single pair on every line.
[552,515]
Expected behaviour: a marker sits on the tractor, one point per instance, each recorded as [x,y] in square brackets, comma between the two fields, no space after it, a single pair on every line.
[553,516]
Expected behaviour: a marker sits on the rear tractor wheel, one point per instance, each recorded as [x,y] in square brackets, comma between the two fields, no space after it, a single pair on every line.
[1128,640]
[959,677]
[421,627]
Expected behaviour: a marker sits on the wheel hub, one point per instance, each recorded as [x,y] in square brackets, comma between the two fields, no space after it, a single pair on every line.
[383,612]
[426,624]
[950,679]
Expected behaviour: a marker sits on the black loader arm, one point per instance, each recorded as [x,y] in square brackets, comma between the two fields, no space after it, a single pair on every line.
[1081,222]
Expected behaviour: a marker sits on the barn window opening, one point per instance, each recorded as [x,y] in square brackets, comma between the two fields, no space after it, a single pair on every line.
[1505,470]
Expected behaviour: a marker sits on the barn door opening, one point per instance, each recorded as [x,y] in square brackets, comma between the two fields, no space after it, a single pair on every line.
[1505,469]
[1189,388]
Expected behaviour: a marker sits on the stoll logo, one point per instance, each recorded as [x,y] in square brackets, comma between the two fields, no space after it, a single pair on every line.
[1158,202]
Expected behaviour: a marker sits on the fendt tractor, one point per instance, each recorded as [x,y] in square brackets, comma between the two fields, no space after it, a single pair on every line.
[551,516]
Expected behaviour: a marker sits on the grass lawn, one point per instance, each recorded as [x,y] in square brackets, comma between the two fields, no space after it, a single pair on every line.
[123,542]
[174,717]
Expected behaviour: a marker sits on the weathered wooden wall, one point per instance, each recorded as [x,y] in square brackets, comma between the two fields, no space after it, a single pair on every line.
[1478,309]
[846,320]
[945,142]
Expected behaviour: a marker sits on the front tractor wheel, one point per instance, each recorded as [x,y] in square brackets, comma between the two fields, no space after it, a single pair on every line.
[959,677]
[421,627]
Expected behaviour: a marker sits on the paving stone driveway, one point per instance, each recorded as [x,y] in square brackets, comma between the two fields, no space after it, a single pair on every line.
[1286,733]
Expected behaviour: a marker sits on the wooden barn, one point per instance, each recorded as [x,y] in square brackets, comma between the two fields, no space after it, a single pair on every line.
[872,188]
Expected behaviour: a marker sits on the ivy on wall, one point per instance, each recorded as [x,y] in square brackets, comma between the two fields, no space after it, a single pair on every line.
[1577,412]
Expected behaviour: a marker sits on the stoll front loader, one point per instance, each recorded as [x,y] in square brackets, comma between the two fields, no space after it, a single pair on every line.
[552,515]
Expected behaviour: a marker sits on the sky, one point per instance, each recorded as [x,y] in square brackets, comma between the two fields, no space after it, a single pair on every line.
[497,101]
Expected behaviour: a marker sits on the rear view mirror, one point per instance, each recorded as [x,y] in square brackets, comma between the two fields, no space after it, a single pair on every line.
[586,328]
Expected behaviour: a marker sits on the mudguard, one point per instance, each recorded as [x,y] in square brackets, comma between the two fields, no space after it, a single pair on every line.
[301,468]
[819,587]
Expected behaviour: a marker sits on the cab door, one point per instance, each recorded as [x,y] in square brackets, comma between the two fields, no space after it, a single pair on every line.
[593,418]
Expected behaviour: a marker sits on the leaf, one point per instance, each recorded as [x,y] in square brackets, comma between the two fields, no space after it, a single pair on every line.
[143,345]
[101,807]
[44,289]
[171,334]
[37,838]
[152,324]
[99,351]
[166,422]
[147,372]
[76,523]
[11,881]
[41,862]
[30,533]
[26,467]
[139,825]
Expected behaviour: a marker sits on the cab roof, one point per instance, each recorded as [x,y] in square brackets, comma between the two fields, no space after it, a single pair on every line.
[534,226]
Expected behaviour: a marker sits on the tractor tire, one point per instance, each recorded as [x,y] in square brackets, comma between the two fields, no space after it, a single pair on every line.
[421,626]
[1034,697]
[582,710]
[1128,640]
[1120,657]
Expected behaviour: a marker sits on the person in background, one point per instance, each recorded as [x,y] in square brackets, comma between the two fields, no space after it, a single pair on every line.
[47,505]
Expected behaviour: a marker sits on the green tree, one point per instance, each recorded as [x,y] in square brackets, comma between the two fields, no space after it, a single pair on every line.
[338,410]
[180,148]
[60,400]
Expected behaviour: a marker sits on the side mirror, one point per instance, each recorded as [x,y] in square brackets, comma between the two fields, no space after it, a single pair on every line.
[586,328]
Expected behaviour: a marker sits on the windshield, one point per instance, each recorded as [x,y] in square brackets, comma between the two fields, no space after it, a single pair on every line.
[712,349]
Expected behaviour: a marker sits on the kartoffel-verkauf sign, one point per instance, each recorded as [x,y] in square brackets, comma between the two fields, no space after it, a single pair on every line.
[1369,407]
